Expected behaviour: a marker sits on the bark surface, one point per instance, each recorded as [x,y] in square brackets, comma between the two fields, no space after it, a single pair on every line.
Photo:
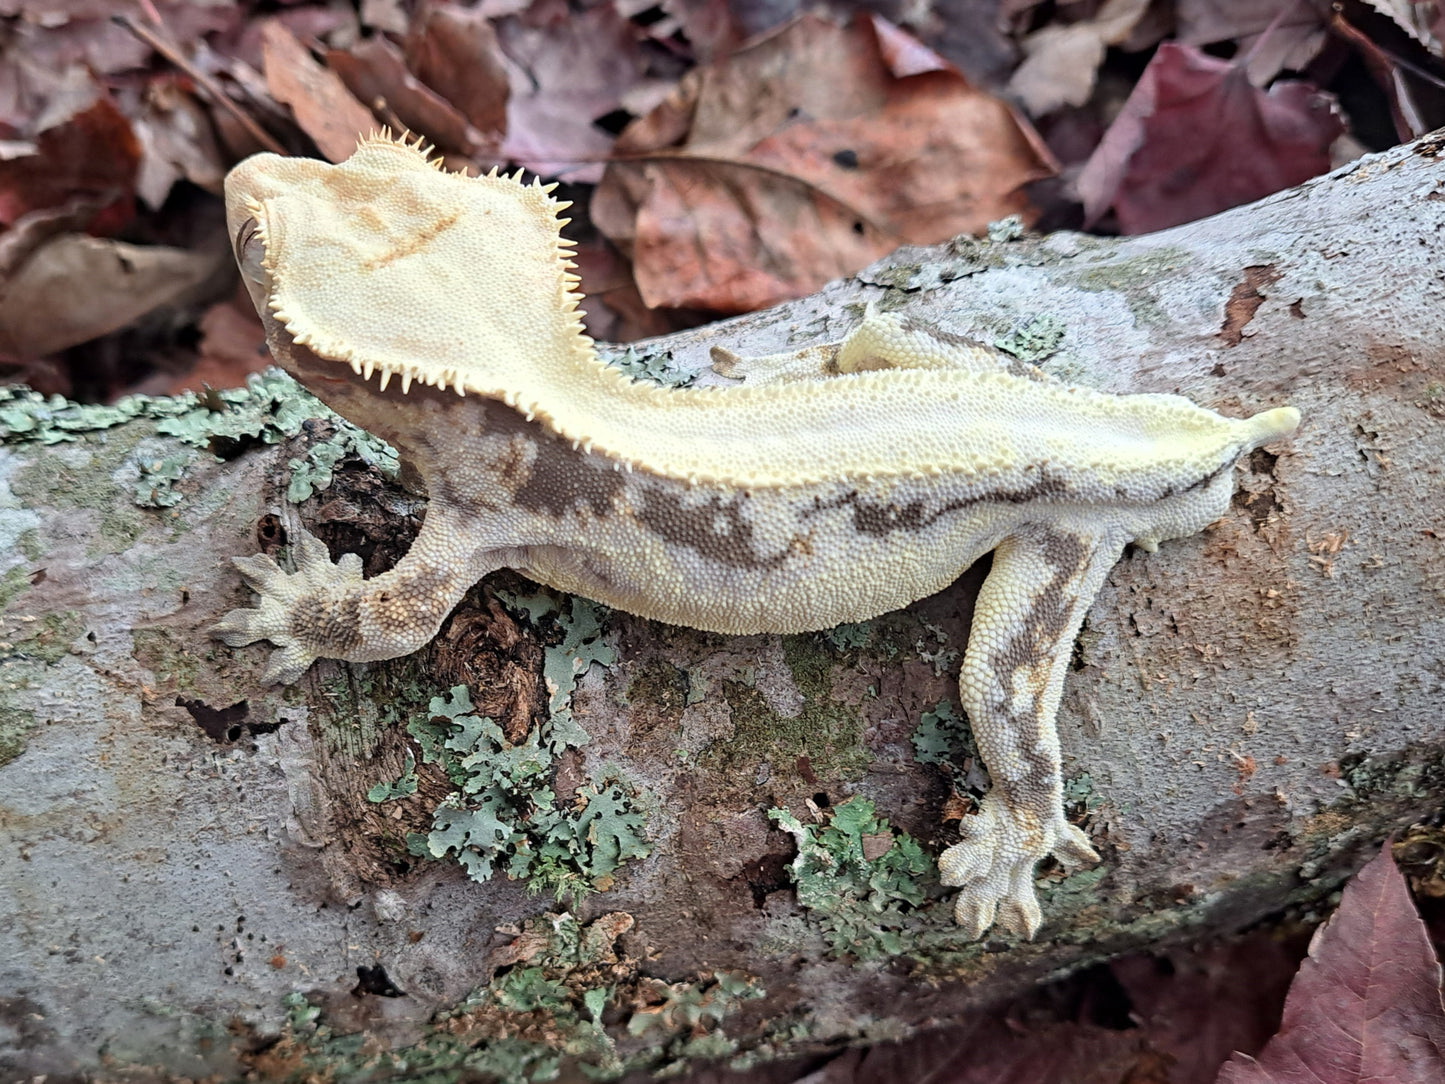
[193,879]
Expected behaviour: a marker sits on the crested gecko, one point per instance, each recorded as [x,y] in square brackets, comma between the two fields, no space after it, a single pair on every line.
[439,311]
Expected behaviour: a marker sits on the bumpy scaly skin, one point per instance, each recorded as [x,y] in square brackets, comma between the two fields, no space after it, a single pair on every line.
[832,485]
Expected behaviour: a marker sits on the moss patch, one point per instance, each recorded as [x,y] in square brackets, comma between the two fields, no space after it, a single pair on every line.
[828,733]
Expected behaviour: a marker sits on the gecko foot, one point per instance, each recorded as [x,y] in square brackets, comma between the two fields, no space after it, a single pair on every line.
[308,614]
[994,865]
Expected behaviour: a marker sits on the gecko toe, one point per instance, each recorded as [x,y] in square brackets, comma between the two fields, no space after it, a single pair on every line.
[974,914]
[1072,847]
[286,665]
[260,572]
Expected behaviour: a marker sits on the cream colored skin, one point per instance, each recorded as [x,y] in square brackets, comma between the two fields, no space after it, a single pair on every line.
[832,485]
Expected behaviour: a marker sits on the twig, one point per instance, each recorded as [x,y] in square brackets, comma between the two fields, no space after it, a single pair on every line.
[168,49]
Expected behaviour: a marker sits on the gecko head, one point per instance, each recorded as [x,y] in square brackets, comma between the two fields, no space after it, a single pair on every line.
[389,264]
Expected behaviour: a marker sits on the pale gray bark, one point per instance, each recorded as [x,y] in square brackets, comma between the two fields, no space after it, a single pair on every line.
[1255,707]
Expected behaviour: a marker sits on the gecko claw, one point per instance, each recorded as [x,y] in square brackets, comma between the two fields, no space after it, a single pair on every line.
[994,864]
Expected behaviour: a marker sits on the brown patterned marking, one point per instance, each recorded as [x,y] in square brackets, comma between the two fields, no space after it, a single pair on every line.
[714,528]
[329,627]
[1047,620]
[411,245]
[882,518]
[951,338]
[562,479]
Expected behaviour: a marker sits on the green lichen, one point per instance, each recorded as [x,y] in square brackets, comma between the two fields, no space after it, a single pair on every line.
[547,1010]
[46,638]
[16,723]
[652,368]
[27,415]
[1080,797]
[155,488]
[314,471]
[942,737]
[503,814]
[398,788]
[1009,228]
[269,409]
[1137,279]
[848,637]
[861,904]
[13,583]
[170,655]
[18,675]
[1036,341]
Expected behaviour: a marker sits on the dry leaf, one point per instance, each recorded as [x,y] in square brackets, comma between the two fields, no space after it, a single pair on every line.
[1061,62]
[323,107]
[1407,116]
[176,143]
[376,73]
[1420,19]
[566,74]
[801,159]
[74,288]
[455,53]
[233,345]
[82,149]
[1193,1006]
[1195,138]
[1366,1005]
[1292,43]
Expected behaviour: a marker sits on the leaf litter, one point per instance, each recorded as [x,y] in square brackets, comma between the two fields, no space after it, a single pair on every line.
[737,169]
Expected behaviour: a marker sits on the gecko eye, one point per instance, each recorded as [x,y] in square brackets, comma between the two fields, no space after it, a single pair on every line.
[250,251]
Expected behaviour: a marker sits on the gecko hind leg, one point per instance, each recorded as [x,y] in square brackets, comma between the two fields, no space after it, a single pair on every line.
[880,341]
[1027,616]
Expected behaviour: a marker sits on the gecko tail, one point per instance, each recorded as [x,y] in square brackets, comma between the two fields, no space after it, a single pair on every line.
[1271,425]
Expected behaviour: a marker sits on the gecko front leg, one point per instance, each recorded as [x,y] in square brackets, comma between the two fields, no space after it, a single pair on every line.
[1025,621]
[328,611]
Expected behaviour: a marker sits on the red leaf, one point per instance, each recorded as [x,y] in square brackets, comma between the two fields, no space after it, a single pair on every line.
[1195,138]
[1366,1004]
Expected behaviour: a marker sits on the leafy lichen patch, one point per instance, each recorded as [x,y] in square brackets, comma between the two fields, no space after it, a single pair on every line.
[269,409]
[652,368]
[858,878]
[504,814]
[563,993]
[501,811]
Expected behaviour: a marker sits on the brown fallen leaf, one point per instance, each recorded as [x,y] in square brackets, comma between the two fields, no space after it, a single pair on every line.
[1061,61]
[1195,138]
[455,52]
[1296,32]
[1408,117]
[567,72]
[1366,1004]
[74,288]
[1192,1006]
[83,147]
[800,159]
[233,345]
[176,143]
[375,71]
[319,100]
